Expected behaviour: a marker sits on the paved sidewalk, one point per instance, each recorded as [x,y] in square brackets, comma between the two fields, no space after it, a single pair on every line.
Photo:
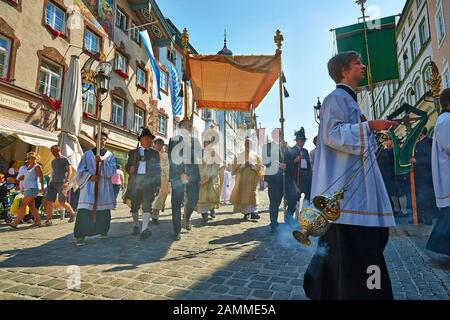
[227,258]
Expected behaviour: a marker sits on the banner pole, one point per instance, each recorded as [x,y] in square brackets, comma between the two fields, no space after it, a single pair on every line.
[369,63]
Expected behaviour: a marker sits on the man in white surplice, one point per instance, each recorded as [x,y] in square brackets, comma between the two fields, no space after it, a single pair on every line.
[346,141]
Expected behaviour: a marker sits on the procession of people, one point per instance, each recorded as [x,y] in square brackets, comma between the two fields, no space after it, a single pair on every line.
[196,179]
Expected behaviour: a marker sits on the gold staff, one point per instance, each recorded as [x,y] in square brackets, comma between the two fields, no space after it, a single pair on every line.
[185,41]
[278,41]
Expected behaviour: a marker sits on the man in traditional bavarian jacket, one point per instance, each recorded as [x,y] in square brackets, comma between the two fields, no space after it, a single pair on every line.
[298,175]
[144,169]
[184,175]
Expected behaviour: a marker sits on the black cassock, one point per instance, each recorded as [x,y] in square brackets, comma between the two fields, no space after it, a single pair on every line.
[424,180]
[386,164]
[345,264]
[298,179]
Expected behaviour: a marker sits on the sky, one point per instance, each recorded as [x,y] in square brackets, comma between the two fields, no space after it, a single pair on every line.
[307,47]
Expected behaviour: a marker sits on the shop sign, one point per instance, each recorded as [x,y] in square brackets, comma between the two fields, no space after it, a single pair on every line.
[14,103]
[122,141]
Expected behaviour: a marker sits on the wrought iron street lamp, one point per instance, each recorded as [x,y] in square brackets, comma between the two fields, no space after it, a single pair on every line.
[317,108]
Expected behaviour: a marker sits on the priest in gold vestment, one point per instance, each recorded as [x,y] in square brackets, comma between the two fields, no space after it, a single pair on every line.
[159,204]
[209,197]
[248,169]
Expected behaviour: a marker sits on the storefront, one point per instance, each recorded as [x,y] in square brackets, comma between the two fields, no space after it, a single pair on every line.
[25,123]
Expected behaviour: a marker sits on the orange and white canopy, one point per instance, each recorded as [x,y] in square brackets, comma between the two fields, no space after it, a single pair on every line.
[234,83]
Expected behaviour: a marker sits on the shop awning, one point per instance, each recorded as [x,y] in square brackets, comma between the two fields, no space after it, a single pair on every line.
[235,83]
[28,133]
[37,141]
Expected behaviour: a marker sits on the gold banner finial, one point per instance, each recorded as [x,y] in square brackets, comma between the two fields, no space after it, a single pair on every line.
[278,40]
[102,57]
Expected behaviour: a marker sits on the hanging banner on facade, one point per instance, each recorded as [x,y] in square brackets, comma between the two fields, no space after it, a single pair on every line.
[145,38]
[99,12]
[177,102]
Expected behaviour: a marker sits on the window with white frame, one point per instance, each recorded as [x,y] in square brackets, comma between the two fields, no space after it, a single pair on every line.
[118,109]
[164,81]
[139,116]
[410,19]
[426,75]
[418,89]
[171,55]
[55,17]
[121,63]
[423,32]
[414,51]
[410,97]
[121,19]
[50,76]
[91,41]
[89,98]
[406,61]
[5,53]
[162,124]
[440,26]
[141,77]
[134,32]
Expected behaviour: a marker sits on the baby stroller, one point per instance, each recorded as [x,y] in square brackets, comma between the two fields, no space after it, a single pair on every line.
[7,196]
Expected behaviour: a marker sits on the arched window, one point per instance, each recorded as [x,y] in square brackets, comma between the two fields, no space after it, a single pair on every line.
[418,89]
[409,97]
[426,75]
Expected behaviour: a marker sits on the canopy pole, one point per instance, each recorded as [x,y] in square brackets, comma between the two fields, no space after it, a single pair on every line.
[278,41]
[185,41]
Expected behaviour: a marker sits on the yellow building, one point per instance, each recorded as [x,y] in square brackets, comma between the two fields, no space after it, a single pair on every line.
[37,39]
[439,11]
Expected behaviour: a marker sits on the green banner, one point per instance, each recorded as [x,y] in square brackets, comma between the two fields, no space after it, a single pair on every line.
[382,47]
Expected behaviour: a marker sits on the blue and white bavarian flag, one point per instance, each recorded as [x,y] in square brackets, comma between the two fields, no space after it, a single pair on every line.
[148,46]
[177,102]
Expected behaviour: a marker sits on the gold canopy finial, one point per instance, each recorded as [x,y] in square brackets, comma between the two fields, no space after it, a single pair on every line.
[278,40]
[185,41]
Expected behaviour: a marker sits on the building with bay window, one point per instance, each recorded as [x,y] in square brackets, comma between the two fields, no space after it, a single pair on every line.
[33,69]
[414,54]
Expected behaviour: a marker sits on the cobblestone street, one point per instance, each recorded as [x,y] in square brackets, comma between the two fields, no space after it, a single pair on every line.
[227,258]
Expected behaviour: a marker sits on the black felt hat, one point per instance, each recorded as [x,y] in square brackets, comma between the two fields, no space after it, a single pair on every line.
[144,132]
[300,135]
